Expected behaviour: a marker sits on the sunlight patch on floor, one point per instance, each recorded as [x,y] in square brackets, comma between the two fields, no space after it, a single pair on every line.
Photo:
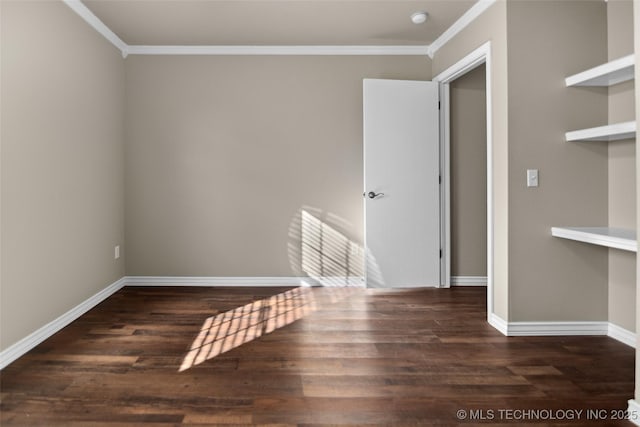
[233,328]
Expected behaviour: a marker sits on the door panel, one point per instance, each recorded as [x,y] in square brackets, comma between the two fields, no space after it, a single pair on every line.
[401,168]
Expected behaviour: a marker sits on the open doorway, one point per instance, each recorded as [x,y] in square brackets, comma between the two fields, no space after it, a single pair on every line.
[467,178]
[481,57]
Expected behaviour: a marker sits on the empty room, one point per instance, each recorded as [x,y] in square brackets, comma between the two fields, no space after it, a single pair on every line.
[318,212]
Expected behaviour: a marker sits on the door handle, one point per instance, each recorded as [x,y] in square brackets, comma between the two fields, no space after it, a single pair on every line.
[373,195]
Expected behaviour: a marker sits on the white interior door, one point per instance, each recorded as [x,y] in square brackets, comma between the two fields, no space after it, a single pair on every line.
[401,183]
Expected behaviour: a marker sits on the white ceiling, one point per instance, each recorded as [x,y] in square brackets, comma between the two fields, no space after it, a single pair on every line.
[275,23]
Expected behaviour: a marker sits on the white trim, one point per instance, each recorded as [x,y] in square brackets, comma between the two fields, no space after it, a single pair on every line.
[467,18]
[490,215]
[515,329]
[278,50]
[445,189]
[472,60]
[499,323]
[18,349]
[541,329]
[241,281]
[477,57]
[333,281]
[210,281]
[634,411]
[78,7]
[468,280]
[613,72]
[623,335]
[429,50]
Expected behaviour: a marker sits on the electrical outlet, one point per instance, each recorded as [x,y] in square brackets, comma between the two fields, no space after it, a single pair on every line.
[116,252]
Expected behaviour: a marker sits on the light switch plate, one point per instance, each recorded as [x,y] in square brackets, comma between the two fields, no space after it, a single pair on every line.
[532,177]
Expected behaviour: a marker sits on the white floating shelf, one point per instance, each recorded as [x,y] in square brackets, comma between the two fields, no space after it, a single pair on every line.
[612,132]
[618,238]
[609,74]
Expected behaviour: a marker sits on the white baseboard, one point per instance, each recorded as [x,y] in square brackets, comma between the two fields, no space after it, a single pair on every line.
[242,281]
[634,412]
[18,349]
[468,280]
[210,281]
[538,329]
[623,335]
[331,281]
[499,323]
[557,328]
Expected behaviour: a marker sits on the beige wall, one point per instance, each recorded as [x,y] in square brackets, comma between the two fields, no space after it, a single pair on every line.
[223,153]
[491,26]
[468,159]
[554,279]
[622,213]
[531,111]
[62,164]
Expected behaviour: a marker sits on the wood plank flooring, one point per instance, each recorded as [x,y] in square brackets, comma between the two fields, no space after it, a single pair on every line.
[310,357]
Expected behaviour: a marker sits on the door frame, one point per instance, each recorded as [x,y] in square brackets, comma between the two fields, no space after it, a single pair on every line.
[482,55]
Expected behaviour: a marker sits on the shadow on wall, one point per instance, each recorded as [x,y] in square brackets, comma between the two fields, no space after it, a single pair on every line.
[320,250]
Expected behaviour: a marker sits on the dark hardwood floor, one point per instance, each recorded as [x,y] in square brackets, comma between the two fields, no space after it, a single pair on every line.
[310,356]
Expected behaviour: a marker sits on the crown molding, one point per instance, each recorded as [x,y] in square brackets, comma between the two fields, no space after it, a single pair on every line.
[410,50]
[468,17]
[277,50]
[78,7]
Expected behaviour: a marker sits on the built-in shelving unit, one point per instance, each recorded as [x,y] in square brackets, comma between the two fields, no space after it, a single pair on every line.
[612,132]
[611,73]
[618,238]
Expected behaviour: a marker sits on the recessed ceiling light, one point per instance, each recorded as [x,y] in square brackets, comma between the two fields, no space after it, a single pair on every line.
[419,17]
